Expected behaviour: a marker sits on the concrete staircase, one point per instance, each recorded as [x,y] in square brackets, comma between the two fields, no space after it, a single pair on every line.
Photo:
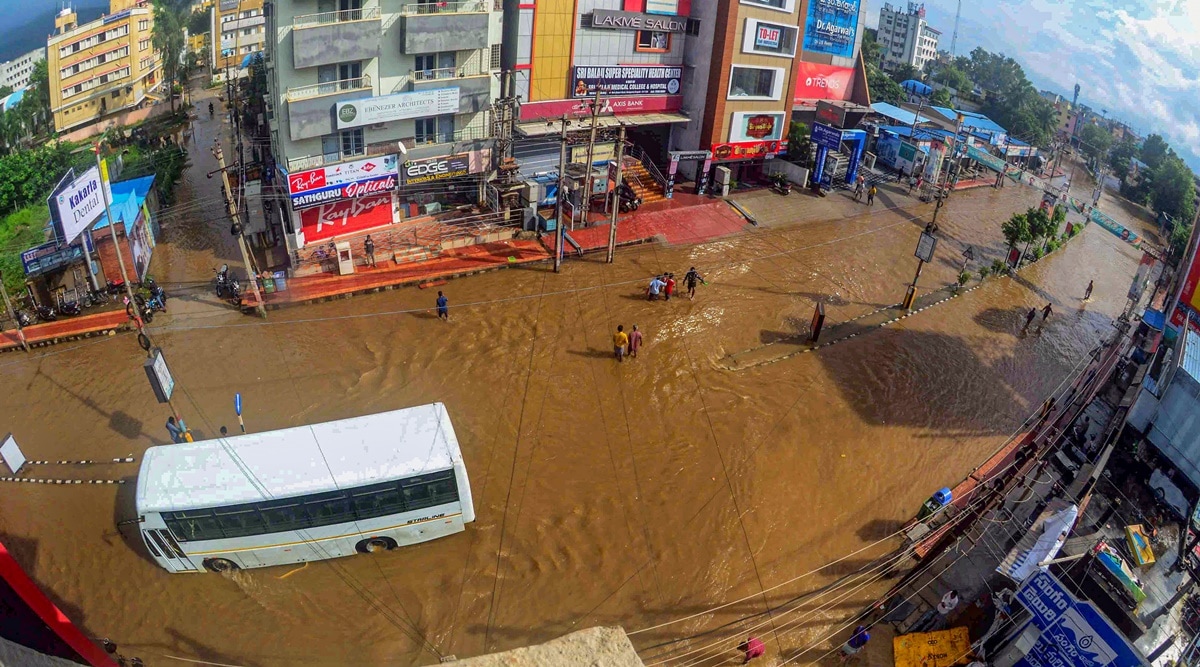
[642,182]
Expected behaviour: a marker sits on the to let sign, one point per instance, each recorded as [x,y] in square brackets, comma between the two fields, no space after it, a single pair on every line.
[768,36]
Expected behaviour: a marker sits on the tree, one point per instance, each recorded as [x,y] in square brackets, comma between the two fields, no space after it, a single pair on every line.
[1177,246]
[1041,225]
[883,88]
[199,23]
[1096,142]
[903,72]
[1173,191]
[940,97]
[1016,230]
[953,77]
[872,52]
[799,143]
[1120,155]
[167,38]
[1154,150]
[35,105]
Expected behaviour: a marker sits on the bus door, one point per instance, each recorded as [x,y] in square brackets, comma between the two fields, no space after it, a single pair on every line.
[164,547]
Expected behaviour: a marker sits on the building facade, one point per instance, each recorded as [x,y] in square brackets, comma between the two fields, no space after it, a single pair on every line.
[16,72]
[104,67]
[379,109]
[905,36]
[238,30]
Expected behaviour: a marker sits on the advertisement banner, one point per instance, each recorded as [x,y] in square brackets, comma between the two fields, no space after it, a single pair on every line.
[1189,296]
[344,217]
[601,153]
[341,181]
[372,110]
[633,80]
[827,137]
[744,150]
[822,82]
[832,27]
[80,204]
[436,168]
[986,159]
[751,126]
[607,18]
[831,114]
[768,35]
[619,105]
[1074,632]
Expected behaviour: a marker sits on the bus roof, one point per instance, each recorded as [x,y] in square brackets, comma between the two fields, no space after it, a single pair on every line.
[297,461]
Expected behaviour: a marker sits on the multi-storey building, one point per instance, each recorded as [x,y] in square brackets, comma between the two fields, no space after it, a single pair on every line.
[238,30]
[103,67]
[905,36]
[15,73]
[378,109]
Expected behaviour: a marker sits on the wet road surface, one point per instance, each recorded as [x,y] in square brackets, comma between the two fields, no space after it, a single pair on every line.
[606,494]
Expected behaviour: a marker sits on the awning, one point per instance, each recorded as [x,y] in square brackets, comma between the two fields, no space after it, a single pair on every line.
[553,127]
[808,104]
[1042,542]
[897,114]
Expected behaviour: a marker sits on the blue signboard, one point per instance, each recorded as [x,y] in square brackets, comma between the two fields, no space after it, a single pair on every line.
[826,137]
[1074,633]
[832,27]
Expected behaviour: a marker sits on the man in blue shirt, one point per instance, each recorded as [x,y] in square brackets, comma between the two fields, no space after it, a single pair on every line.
[856,642]
[656,287]
[443,306]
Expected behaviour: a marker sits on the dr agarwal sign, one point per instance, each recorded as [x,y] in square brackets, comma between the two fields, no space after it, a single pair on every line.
[80,204]
[832,27]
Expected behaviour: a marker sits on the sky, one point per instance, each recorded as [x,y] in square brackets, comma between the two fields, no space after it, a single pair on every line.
[1137,59]
[27,23]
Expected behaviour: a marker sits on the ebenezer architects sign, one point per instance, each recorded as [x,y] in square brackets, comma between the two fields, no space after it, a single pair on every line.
[607,18]
[372,110]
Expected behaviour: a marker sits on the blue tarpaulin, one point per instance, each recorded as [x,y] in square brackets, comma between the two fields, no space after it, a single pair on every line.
[896,113]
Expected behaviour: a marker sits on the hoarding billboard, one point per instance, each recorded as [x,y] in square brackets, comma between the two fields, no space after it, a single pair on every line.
[832,27]
[80,204]
[373,110]
[822,82]
[634,80]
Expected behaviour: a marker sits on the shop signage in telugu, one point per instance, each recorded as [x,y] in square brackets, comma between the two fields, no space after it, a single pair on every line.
[435,169]
[832,27]
[607,18]
[626,80]
[372,110]
[744,150]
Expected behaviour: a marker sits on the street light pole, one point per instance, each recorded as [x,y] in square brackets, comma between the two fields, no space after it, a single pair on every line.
[558,200]
[587,179]
[616,206]
[235,214]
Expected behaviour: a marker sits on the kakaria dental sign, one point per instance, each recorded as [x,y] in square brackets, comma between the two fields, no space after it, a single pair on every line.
[80,204]
[357,113]
[607,18]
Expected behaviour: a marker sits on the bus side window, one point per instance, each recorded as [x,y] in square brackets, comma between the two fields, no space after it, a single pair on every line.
[284,515]
[240,522]
[329,508]
[194,525]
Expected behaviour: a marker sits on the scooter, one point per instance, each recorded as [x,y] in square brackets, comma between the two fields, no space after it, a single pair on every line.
[781,185]
[141,307]
[24,318]
[70,308]
[234,287]
[222,280]
[44,313]
[630,201]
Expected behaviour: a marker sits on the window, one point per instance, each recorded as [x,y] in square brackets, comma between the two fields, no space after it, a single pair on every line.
[769,38]
[652,41]
[781,5]
[115,93]
[763,83]
[323,509]
[495,59]
[144,25]
[435,66]
[435,130]
[352,142]
[143,44]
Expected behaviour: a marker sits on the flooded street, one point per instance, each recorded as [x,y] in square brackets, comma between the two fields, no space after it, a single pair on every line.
[606,494]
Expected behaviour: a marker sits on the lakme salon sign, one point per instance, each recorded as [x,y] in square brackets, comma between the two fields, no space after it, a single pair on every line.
[607,18]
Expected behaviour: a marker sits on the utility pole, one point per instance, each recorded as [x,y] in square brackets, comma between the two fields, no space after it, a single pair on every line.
[558,200]
[616,206]
[232,206]
[12,315]
[132,302]
[587,179]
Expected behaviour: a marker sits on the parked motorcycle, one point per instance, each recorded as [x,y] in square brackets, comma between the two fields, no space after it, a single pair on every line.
[70,308]
[781,184]
[45,313]
[139,306]
[630,201]
[24,318]
[95,298]
[222,280]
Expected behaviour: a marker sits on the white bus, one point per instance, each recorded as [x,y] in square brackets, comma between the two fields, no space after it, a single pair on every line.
[356,485]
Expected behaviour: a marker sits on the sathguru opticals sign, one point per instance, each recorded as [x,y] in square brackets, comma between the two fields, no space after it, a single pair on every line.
[343,181]
[626,80]
[832,27]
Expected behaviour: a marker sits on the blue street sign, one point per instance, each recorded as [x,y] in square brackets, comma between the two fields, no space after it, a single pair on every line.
[826,137]
[1074,632]
[237,403]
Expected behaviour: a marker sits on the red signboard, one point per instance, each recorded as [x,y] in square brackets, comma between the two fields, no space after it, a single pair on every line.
[760,126]
[619,105]
[744,150]
[346,216]
[1189,296]
[822,82]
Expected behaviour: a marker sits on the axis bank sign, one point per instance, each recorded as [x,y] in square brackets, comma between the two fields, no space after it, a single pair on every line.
[343,181]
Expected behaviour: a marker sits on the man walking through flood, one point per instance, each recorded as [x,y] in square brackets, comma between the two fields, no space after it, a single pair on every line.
[1029,318]
[1046,313]
[620,341]
[635,341]
[656,286]
[443,306]
[690,279]
[1087,294]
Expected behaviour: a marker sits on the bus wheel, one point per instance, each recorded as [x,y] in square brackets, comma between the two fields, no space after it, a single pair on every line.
[375,545]
[220,565]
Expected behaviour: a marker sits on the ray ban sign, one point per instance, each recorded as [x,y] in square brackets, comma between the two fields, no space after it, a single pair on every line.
[607,18]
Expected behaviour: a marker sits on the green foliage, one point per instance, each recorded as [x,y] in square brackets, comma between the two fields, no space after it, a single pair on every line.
[166,163]
[1154,150]
[1016,230]
[1052,245]
[799,144]
[26,177]
[903,72]
[883,88]
[1037,253]
[998,266]
[20,231]
[1060,215]
[1119,157]
[954,77]
[167,38]
[984,272]
[1095,141]
[199,23]
[1173,190]
[1041,226]
[940,97]
[871,51]
[964,277]
[1177,246]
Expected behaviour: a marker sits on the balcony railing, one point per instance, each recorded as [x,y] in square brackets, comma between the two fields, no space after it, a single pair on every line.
[343,16]
[470,6]
[327,88]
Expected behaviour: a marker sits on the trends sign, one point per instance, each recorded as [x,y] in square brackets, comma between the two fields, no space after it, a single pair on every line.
[80,204]
[343,181]
[832,27]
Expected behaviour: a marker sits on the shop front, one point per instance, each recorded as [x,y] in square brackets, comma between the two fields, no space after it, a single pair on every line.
[343,198]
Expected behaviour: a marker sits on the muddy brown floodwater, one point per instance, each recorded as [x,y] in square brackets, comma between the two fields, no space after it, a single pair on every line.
[623,494]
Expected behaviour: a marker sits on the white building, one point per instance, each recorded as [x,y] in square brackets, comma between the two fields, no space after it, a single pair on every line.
[16,72]
[905,36]
[378,109]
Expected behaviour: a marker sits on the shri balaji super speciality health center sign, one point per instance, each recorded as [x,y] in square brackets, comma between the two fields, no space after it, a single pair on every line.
[652,80]
[831,27]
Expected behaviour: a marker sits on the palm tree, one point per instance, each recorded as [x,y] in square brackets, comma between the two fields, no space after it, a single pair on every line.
[167,38]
